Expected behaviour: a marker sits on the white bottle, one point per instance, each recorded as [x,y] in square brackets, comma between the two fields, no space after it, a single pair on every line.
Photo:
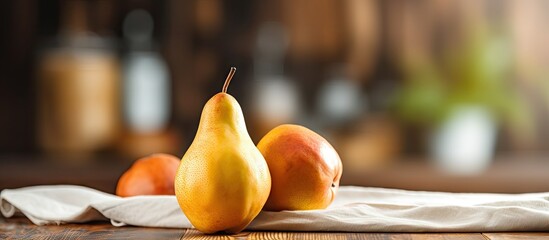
[146,78]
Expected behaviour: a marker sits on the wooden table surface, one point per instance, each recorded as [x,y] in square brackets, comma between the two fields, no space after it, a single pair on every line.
[511,174]
[21,228]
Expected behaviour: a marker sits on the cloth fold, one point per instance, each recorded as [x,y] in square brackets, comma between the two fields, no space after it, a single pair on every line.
[355,209]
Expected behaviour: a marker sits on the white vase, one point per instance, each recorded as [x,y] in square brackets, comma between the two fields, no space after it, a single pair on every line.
[464,144]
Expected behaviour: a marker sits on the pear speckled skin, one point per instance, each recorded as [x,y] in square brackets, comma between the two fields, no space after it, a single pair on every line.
[223,181]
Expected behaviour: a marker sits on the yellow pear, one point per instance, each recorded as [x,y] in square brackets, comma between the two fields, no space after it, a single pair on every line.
[223,181]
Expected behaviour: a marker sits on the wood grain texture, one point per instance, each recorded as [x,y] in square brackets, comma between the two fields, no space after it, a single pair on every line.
[343,236]
[517,235]
[22,228]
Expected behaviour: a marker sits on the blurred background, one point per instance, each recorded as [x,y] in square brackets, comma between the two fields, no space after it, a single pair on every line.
[415,94]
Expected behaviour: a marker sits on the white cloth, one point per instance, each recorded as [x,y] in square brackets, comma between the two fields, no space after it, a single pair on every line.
[355,209]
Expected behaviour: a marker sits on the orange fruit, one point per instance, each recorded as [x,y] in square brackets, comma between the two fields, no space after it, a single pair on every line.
[151,175]
[305,169]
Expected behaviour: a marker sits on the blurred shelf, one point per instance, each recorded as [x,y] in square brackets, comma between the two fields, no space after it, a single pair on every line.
[508,174]
[101,173]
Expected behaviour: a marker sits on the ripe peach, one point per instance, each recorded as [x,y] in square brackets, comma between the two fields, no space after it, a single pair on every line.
[151,175]
[305,169]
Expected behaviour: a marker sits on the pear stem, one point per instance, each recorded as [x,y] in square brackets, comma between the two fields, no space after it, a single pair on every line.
[228,80]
